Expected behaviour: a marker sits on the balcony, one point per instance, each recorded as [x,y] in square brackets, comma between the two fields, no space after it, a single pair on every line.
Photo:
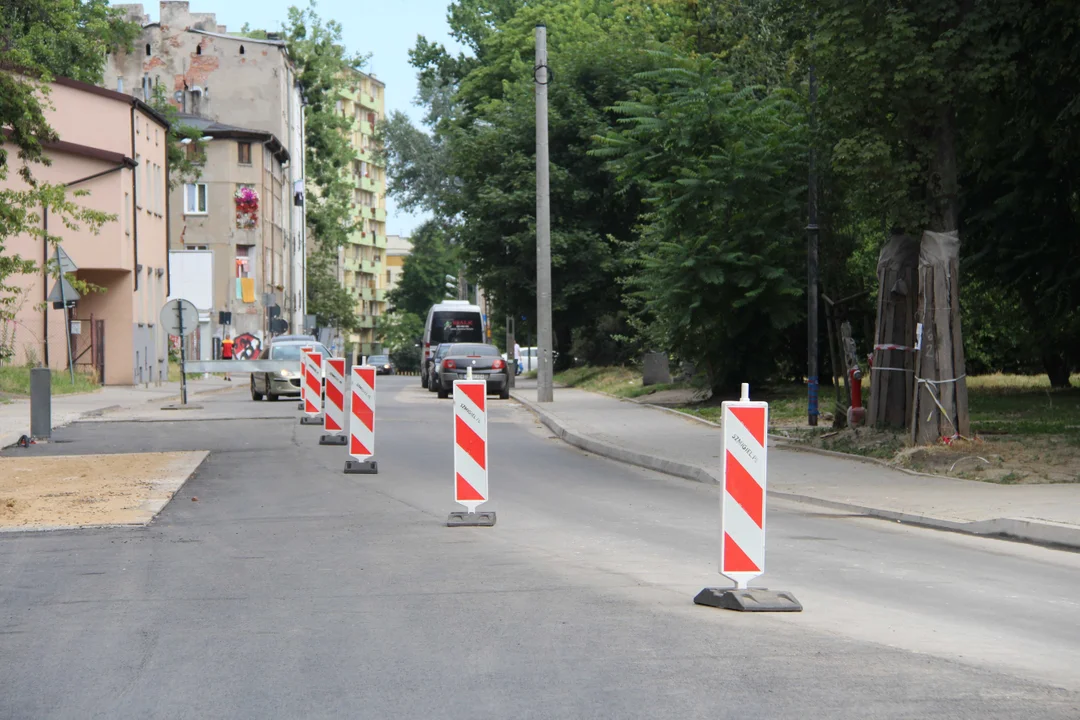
[365,321]
[373,295]
[352,265]
[366,101]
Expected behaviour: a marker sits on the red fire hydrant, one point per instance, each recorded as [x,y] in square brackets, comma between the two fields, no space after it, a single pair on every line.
[856,414]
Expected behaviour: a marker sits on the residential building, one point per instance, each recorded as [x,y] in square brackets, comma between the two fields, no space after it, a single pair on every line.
[236,208]
[113,147]
[363,260]
[397,249]
[238,81]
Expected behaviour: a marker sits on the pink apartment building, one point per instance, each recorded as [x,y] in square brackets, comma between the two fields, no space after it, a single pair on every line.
[114,147]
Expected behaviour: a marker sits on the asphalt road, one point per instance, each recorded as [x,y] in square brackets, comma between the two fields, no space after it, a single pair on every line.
[289,589]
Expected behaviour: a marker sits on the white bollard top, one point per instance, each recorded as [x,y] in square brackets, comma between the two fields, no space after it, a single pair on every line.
[745,391]
[468,373]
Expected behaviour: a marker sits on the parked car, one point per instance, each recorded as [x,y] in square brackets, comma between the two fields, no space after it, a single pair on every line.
[283,383]
[433,372]
[486,365]
[382,364]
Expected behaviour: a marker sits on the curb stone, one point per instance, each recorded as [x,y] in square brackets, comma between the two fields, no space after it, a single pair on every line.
[1028,530]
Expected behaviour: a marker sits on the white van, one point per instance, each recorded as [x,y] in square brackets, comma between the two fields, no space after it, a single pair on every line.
[451,321]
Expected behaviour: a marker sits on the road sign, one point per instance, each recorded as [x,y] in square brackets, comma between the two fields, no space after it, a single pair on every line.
[176,310]
[745,425]
[76,327]
[334,415]
[362,421]
[742,502]
[62,292]
[303,374]
[312,390]
[67,265]
[470,443]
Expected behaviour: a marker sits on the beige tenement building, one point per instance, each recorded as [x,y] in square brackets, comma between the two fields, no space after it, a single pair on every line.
[237,81]
[364,259]
[113,147]
[397,249]
[236,209]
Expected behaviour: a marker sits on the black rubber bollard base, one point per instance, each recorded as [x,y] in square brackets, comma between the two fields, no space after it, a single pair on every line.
[299,406]
[361,467]
[749,600]
[334,440]
[467,519]
[311,420]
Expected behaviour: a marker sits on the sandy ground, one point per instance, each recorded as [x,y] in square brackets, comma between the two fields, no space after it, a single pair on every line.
[85,490]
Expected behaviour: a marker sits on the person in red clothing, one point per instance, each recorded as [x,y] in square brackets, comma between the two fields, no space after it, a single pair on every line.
[227,353]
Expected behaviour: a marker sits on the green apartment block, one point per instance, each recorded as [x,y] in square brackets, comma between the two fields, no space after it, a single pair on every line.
[363,271]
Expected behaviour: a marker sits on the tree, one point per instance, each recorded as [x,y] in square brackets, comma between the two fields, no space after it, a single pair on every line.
[423,276]
[399,333]
[325,67]
[40,39]
[715,276]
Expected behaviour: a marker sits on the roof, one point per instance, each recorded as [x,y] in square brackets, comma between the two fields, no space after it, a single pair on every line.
[232,132]
[242,38]
[95,90]
[84,151]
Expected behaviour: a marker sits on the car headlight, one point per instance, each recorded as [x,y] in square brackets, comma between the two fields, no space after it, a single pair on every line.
[287,374]
[386,367]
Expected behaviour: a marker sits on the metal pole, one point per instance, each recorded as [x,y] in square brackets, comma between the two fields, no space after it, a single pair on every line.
[183,371]
[511,361]
[67,320]
[544,376]
[41,403]
[812,267]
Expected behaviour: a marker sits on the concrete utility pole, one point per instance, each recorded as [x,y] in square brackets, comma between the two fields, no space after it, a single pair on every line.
[544,382]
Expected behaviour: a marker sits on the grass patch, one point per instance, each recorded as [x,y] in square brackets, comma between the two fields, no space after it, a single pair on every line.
[16,381]
[621,382]
[1005,410]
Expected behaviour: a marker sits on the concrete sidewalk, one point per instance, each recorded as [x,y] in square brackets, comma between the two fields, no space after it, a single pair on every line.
[15,415]
[667,442]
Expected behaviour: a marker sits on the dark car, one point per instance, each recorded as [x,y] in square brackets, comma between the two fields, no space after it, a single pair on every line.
[382,364]
[283,383]
[486,363]
[433,372]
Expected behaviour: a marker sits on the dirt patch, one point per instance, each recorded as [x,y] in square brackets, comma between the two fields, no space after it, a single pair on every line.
[1010,460]
[86,490]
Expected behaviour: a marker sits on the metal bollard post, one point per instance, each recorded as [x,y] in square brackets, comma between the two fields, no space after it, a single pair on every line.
[41,403]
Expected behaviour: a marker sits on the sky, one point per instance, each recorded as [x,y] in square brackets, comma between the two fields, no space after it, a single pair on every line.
[386,29]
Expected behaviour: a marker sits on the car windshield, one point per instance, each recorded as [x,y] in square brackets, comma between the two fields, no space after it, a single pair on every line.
[484,350]
[378,359]
[292,351]
[463,326]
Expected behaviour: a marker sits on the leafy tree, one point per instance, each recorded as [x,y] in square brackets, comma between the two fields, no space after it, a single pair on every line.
[325,67]
[399,333]
[716,274]
[423,276]
[40,39]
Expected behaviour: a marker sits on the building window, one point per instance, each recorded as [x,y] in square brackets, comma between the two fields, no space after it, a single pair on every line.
[195,199]
[119,84]
[198,49]
[243,153]
[196,152]
[241,49]
[138,180]
[147,49]
[196,247]
[243,258]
